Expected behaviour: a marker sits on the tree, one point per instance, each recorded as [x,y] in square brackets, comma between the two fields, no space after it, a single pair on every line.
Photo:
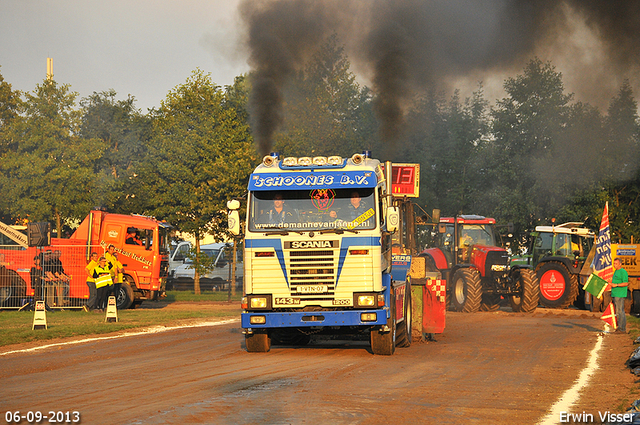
[47,172]
[200,155]
[10,103]
[122,128]
[326,111]
[525,129]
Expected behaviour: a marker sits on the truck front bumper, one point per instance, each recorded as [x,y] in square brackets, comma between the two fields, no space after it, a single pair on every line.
[313,318]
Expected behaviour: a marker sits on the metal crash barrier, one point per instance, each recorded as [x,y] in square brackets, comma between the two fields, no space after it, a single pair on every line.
[428,298]
[53,274]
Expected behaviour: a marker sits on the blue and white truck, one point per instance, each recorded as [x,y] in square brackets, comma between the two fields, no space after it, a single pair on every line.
[317,257]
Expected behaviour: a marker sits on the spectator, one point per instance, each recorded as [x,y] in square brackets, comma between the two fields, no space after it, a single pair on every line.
[119,276]
[619,284]
[91,282]
[37,282]
[102,275]
[62,280]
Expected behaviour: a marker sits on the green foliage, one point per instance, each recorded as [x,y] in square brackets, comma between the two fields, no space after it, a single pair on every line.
[123,129]
[199,156]
[47,172]
[326,113]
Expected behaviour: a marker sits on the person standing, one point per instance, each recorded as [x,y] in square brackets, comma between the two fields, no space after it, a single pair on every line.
[102,275]
[119,276]
[619,284]
[37,281]
[91,281]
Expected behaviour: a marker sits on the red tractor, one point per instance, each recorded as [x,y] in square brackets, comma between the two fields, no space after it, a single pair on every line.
[468,254]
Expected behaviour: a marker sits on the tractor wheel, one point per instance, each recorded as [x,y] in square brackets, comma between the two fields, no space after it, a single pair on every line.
[384,342]
[466,291]
[529,291]
[558,287]
[490,302]
[405,327]
[257,342]
[596,304]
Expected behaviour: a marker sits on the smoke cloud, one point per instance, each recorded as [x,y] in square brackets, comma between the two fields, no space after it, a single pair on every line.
[406,46]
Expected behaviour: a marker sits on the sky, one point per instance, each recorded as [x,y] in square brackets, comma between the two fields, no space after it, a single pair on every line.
[140,47]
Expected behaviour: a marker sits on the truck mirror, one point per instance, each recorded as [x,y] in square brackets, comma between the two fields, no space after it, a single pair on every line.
[393,219]
[234,204]
[234,222]
[435,216]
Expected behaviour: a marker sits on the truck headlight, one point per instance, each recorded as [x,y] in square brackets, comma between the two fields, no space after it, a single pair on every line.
[258,302]
[365,300]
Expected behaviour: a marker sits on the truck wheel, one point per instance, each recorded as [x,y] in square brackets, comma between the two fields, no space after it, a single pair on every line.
[405,327]
[384,343]
[12,295]
[558,287]
[528,287]
[466,293]
[257,342]
[124,298]
[490,302]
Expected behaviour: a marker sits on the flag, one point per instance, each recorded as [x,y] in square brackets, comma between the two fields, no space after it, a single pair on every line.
[602,263]
[609,316]
[595,285]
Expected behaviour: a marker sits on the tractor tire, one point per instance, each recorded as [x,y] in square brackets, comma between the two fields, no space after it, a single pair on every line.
[490,302]
[527,283]
[405,327]
[596,304]
[466,291]
[383,343]
[257,342]
[558,287]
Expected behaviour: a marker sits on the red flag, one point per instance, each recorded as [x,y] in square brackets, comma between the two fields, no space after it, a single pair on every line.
[609,316]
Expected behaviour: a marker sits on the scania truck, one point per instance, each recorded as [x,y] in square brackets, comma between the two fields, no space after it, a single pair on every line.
[317,256]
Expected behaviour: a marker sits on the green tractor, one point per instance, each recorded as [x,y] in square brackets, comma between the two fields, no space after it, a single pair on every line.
[559,254]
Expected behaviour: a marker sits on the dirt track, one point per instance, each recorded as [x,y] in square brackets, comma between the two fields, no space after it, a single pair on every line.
[488,368]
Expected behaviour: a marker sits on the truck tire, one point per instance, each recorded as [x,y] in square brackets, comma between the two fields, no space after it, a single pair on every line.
[125,297]
[466,291]
[384,343]
[558,287]
[526,282]
[12,295]
[257,342]
[405,327]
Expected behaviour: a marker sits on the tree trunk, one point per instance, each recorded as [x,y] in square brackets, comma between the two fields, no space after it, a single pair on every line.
[196,276]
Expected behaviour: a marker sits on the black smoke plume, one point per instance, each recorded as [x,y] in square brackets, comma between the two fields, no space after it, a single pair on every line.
[407,46]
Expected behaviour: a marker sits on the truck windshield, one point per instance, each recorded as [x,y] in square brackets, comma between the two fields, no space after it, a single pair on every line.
[318,209]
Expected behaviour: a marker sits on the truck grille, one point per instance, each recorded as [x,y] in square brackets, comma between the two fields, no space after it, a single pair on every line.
[312,268]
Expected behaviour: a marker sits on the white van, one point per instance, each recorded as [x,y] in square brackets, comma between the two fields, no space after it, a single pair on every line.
[183,274]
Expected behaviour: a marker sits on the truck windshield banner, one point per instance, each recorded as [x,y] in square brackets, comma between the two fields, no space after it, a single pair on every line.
[310,180]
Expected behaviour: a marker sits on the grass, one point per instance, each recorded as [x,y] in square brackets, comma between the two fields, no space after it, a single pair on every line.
[16,326]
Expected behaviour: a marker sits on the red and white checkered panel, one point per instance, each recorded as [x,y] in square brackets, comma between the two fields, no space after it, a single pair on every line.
[438,287]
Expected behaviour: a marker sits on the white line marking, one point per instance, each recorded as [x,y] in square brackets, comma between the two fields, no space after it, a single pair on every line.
[144,331]
[570,396]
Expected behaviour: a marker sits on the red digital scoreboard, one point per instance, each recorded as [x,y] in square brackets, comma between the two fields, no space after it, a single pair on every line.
[405,180]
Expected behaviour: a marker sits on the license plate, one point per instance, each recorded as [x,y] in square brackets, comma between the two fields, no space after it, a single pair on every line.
[312,289]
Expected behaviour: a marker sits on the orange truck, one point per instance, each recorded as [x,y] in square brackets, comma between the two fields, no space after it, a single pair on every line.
[140,241]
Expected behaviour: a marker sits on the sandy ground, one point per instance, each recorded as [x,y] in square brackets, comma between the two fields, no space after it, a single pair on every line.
[487,368]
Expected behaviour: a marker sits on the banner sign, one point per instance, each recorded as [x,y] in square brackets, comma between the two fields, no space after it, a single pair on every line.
[313,180]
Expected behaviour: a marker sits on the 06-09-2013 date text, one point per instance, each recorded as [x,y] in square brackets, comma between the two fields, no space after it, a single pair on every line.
[51,417]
